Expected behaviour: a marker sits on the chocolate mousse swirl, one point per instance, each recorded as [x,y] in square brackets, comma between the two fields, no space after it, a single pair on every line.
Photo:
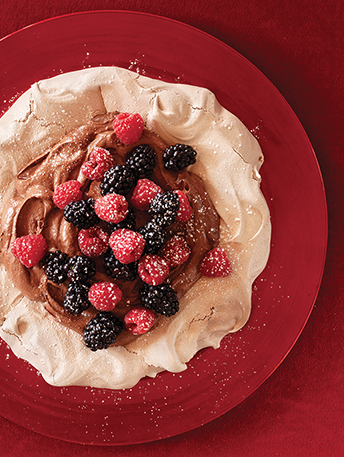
[32,211]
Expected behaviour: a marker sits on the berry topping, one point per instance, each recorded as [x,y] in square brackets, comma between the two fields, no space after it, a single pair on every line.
[29,249]
[111,208]
[66,193]
[144,193]
[104,296]
[185,210]
[154,235]
[129,222]
[178,157]
[153,269]
[118,180]
[139,320]
[102,331]
[117,269]
[215,264]
[81,268]
[176,251]
[162,299]
[128,127]
[93,242]
[81,214]
[100,160]
[56,266]
[127,245]
[165,207]
[76,298]
[141,160]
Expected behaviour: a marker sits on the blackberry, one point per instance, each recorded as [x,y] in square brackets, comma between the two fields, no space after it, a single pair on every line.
[178,157]
[154,235]
[76,298]
[102,331]
[81,213]
[129,222]
[141,160]
[162,299]
[81,268]
[118,180]
[55,264]
[118,270]
[165,207]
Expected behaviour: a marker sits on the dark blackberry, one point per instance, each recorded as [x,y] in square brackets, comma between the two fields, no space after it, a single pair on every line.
[118,270]
[102,331]
[76,298]
[56,265]
[81,213]
[165,207]
[141,160]
[178,157]
[154,235]
[129,222]
[118,180]
[162,299]
[81,268]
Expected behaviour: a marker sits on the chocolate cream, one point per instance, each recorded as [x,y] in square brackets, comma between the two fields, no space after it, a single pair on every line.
[32,211]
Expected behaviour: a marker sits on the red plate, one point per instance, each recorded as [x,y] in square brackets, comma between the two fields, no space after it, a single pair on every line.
[216,380]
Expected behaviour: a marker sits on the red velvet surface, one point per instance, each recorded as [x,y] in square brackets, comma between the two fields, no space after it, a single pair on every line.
[299,409]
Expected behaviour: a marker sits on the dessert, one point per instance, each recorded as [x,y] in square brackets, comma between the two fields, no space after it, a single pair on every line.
[71,171]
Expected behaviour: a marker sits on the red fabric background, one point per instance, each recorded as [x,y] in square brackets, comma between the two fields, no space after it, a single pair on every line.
[299,47]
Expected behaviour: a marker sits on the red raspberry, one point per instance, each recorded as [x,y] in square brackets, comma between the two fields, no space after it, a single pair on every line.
[153,269]
[176,251]
[100,160]
[104,296]
[29,249]
[127,245]
[144,192]
[128,127]
[139,320]
[185,210]
[111,208]
[66,193]
[216,264]
[93,242]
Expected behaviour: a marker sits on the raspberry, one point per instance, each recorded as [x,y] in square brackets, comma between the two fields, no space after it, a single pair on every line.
[215,264]
[102,331]
[100,160]
[104,296]
[66,193]
[128,127]
[185,210]
[144,193]
[93,242]
[127,245]
[153,269]
[129,222]
[111,208]
[176,251]
[29,249]
[139,320]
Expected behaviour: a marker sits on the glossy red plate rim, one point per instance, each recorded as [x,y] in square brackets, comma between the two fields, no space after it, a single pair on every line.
[283,297]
